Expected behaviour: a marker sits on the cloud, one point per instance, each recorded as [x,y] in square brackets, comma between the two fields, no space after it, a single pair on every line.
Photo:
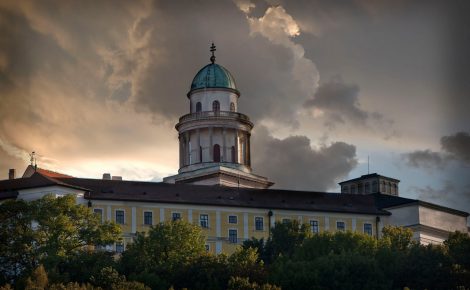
[457,146]
[449,194]
[338,103]
[426,159]
[292,163]
[454,148]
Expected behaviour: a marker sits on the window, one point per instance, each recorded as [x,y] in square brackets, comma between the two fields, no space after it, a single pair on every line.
[176,216]
[344,189]
[382,187]
[120,217]
[340,226]
[99,213]
[232,236]
[198,107]
[259,223]
[233,153]
[232,219]
[388,187]
[216,153]
[374,186]
[314,226]
[368,229]
[232,107]
[119,247]
[215,106]
[208,247]
[395,189]
[148,218]
[359,188]
[200,153]
[367,187]
[204,220]
[286,221]
[353,189]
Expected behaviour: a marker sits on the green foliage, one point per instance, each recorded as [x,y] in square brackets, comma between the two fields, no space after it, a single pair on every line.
[156,258]
[398,237]
[47,231]
[284,239]
[243,283]
[38,279]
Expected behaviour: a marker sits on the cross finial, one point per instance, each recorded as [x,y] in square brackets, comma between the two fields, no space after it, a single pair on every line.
[212,51]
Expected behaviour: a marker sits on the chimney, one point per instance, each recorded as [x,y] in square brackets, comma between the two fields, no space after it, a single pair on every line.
[106,176]
[11,174]
[117,177]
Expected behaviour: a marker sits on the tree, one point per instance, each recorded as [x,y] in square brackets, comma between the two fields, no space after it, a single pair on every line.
[47,231]
[157,257]
[457,247]
[399,237]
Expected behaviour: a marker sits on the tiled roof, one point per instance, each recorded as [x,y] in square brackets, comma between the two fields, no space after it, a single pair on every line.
[369,176]
[226,196]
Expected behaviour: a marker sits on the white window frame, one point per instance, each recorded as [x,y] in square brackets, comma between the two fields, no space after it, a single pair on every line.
[236,219]
[102,212]
[207,221]
[229,238]
[172,216]
[262,223]
[124,216]
[116,247]
[364,229]
[286,220]
[317,225]
[344,223]
[143,217]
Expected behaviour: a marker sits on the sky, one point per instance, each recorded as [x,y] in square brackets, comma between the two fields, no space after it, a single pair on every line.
[336,89]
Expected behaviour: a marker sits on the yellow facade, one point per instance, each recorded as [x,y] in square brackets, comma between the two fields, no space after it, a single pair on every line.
[222,220]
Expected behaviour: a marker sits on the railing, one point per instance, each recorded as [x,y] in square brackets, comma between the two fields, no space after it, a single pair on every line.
[214,115]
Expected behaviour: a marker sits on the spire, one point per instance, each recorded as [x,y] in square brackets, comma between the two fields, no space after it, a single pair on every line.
[212,51]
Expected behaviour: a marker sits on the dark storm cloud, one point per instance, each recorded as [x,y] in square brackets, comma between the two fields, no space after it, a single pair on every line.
[293,163]
[266,72]
[339,102]
[454,147]
[458,146]
[426,159]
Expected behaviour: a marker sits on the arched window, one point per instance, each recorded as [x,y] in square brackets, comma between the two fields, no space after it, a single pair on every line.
[215,106]
[233,154]
[216,153]
[232,107]
[200,153]
[198,107]
[374,186]
[367,188]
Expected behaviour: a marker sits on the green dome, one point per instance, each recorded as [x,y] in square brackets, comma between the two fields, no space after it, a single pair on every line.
[213,76]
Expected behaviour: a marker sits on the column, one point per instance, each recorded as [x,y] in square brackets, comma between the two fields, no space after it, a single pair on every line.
[245,226]
[224,148]
[199,145]
[133,220]
[181,149]
[236,146]
[186,151]
[248,154]
[211,144]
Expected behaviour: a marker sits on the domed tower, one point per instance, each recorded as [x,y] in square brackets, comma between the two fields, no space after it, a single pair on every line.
[214,138]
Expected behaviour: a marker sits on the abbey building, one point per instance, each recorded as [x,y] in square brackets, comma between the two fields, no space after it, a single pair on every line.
[216,188]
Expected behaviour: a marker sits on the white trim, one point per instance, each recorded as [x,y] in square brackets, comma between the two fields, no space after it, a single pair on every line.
[311,226]
[143,217]
[190,216]
[218,247]
[353,224]
[133,220]
[228,235]
[208,220]
[102,212]
[245,226]
[115,219]
[162,215]
[228,219]
[327,223]
[178,212]
[254,223]
[109,213]
[218,224]
[273,220]
[341,221]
